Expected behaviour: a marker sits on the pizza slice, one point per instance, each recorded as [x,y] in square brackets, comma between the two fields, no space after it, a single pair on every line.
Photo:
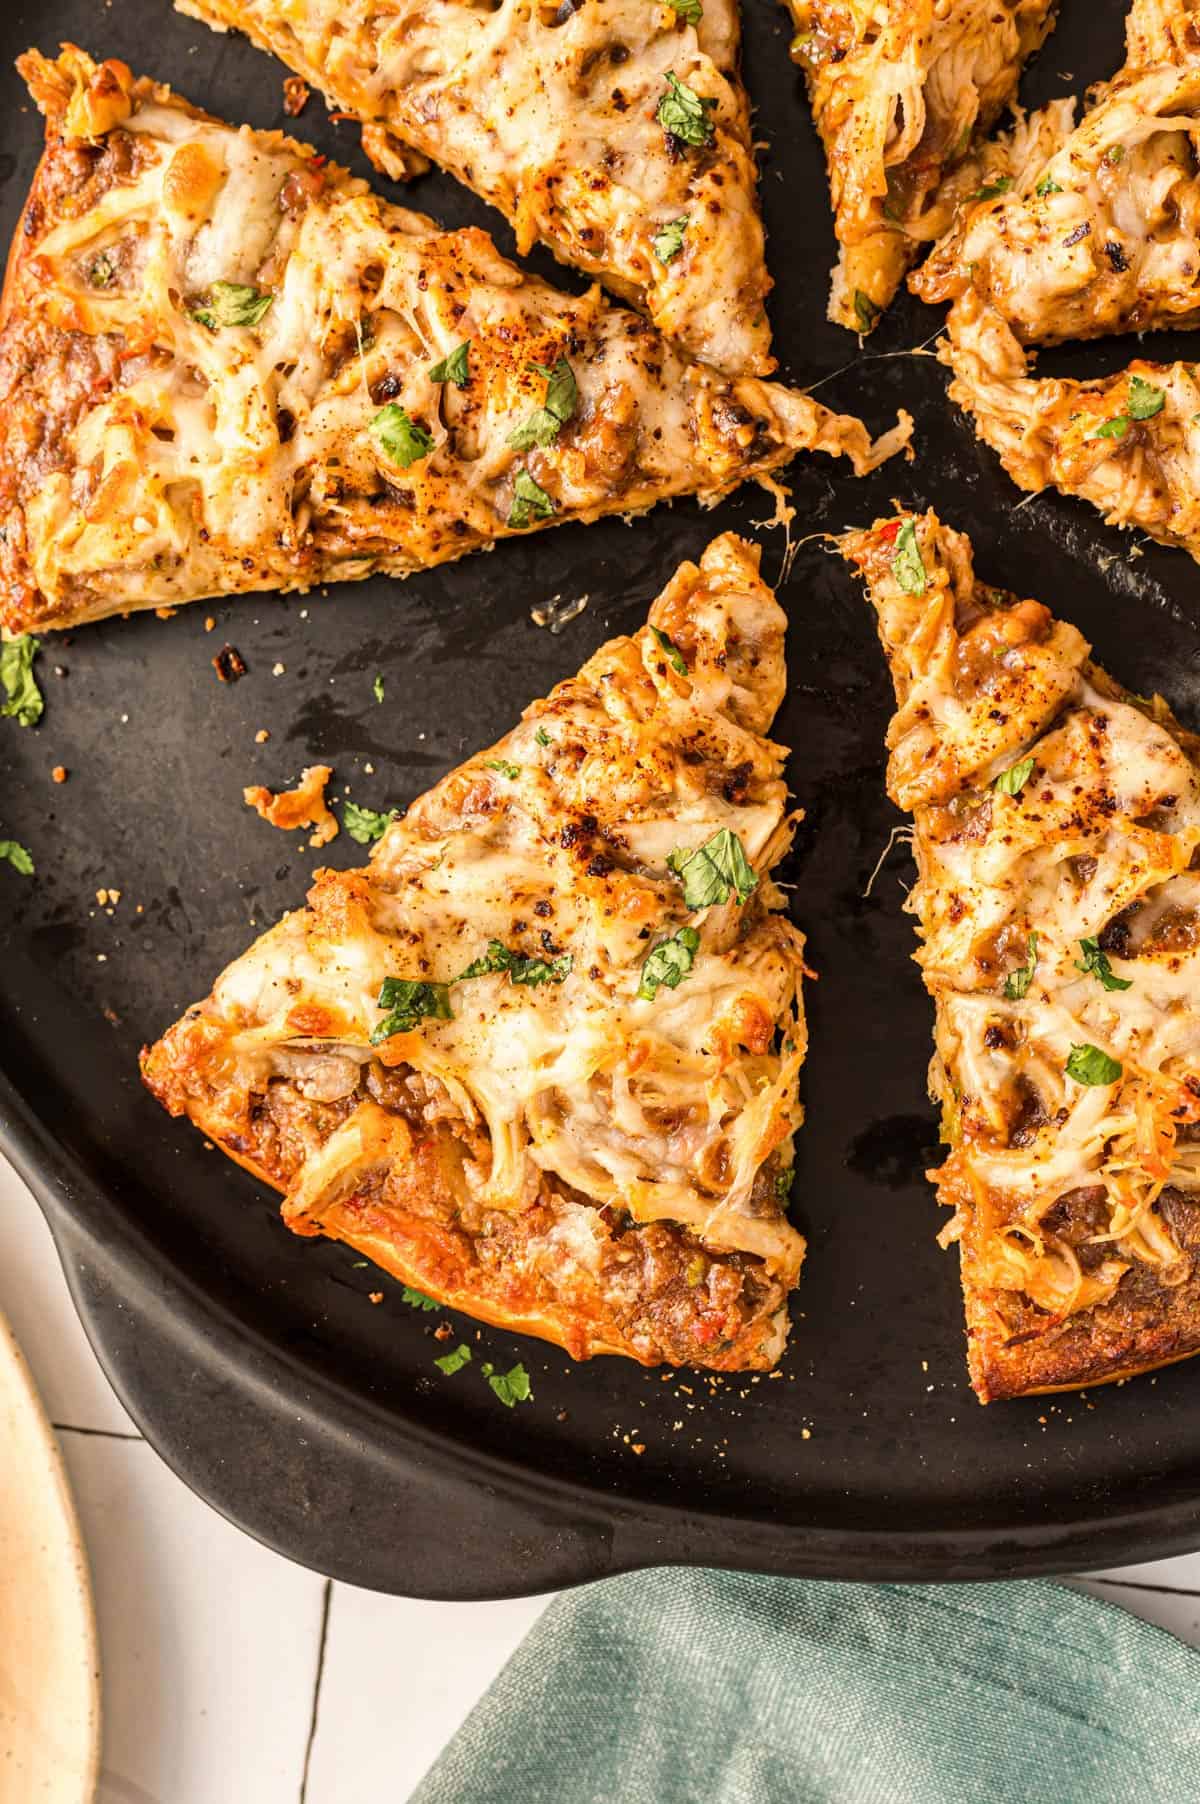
[1057,831]
[616,132]
[1090,229]
[1129,443]
[540,1059]
[225,365]
[902,94]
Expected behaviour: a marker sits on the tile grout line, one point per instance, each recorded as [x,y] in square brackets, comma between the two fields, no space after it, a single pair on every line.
[1138,1585]
[326,1600]
[103,1434]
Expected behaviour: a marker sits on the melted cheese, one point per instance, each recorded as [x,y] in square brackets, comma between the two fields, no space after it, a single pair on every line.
[243,458]
[900,93]
[1104,831]
[548,112]
[666,1108]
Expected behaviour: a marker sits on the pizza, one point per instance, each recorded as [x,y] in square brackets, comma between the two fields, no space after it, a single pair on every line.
[1057,837]
[1085,230]
[902,94]
[617,133]
[540,1059]
[225,365]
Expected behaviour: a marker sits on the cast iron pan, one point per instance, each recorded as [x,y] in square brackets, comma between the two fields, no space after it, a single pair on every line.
[256,1362]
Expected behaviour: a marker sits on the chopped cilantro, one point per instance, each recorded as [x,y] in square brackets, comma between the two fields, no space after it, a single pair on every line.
[1094,963]
[377,686]
[1016,984]
[542,737]
[232,304]
[669,963]
[400,438]
[417,1298]
[690,11]
[714,871]
[784,1180]
[103,271]
[23,698]
[667,242]
[1048,185]
[455,368]
[511,771]
[674,655]
[545,423]
[530,501]
[409,1003]
[684,113]
[511,1387]
[865,311]
[992,190]
[363,824]
[1117,427]
[528,972]
[908,566]
[454,1362]
[1089,1065]
[1012,781]
[1144,399]
[1115,153]
[17,856]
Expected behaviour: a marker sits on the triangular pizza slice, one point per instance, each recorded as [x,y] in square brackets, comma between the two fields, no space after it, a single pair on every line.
[1092,229]
[540,1059]
[225,365]
[616,132]
[1057,826]
[902,93]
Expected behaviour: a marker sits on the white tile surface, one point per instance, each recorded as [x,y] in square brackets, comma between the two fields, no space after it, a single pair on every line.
[211,1645]
[399,1678]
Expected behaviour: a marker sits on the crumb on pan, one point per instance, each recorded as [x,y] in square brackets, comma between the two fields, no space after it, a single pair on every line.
[229,664]
[295,95]
[303,806]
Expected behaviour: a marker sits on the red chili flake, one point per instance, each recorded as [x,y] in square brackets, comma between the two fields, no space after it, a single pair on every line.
[229,664]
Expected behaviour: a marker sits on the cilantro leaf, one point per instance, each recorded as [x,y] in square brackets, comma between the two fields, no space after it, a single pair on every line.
[1012,781]
[991,190]
[529,972]
[232,304]
[377,686]
[714,871]
[363,824]
[1048,185]
[1087,1064]
[454,1362]
[17,856]
[1095,963]
[1016,984]
[684,113]
[409,1003]
[667,242]
[511,771]
[530,500]
[417,1298]
[1117,427]
[908,566]
[542,737]
[1144,399]
[455,368]
[511,1387]
[865,311]
[400,438]
[674,655]
[669,963]
[23,697]
[562,397]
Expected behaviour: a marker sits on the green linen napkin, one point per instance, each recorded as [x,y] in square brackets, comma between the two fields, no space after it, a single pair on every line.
[681,1686]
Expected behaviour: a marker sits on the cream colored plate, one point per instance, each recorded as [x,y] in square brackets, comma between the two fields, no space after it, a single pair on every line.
[49,1664]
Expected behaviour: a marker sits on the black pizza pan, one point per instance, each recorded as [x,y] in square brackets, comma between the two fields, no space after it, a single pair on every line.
[259,1364]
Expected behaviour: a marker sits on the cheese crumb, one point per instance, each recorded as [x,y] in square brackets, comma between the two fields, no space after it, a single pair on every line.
[261,737]
[278,669]
[60,773]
